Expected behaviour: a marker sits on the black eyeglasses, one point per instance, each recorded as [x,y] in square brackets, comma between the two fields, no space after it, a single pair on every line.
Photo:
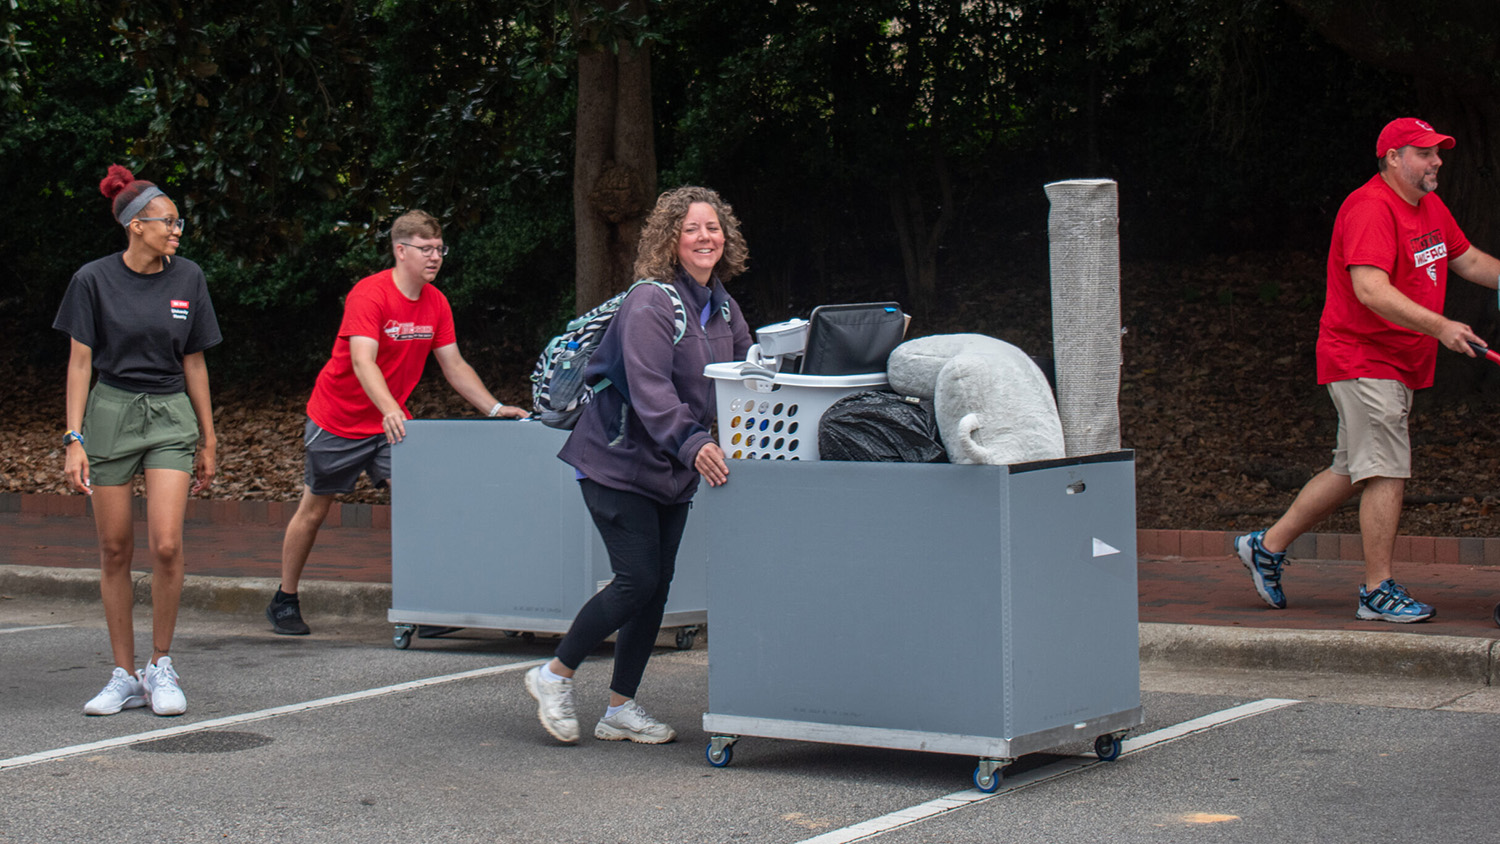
[426,250]
[172,222]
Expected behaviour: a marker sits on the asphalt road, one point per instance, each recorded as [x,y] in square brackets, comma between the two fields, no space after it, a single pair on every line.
[339,737]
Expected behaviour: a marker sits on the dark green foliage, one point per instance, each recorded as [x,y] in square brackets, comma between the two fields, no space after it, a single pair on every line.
[290,133]
[68,114]
[877,150]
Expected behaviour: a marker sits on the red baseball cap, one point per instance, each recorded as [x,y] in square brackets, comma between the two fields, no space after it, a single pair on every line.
[1409,131]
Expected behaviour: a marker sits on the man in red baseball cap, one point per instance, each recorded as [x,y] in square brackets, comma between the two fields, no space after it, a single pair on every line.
[1394,242]
[1409,132]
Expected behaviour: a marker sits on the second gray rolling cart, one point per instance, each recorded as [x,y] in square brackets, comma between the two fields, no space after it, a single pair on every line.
[984,610]
[489,530]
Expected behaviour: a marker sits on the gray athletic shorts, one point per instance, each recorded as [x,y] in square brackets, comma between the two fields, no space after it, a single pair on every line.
[332,464]
[1373,441]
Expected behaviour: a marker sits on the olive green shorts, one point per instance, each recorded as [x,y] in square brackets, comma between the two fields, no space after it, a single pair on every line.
[125,433]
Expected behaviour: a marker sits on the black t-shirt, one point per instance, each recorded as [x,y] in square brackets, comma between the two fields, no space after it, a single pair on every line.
[139,326]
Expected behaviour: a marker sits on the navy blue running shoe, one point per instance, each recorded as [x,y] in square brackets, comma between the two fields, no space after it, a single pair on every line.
[1389,602]
[1265,567]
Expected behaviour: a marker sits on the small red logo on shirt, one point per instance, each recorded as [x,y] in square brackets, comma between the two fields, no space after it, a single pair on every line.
[179,309]
[407,331]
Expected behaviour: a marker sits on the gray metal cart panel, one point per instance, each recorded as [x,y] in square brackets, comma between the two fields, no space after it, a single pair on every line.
[488,529]
[961,609]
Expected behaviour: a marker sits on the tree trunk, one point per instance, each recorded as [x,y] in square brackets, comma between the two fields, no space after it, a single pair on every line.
[614,159]
[920,243]
[594,136]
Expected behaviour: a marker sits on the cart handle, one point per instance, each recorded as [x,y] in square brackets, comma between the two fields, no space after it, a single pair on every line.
[1485,352]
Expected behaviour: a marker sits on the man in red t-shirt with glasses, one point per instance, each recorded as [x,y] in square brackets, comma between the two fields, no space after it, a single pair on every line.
[1394,242]
[358,407]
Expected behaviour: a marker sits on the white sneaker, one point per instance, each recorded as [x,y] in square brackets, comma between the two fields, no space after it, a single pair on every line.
[554,704]
[123,691]
[163,691]
[632,723]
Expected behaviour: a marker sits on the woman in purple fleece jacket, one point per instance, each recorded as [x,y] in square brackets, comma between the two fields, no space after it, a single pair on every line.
[641,445]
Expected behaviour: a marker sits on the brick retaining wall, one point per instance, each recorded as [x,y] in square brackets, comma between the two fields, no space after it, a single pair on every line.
[1475,551]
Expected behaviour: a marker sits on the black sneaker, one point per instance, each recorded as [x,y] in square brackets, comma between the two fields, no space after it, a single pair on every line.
[285,614]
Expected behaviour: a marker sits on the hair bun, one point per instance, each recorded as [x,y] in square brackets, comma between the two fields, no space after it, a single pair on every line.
[116,181]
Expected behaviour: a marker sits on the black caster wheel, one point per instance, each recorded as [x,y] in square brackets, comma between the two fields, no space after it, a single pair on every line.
[686,636]
[402,637]
[1107,748]
[1497,615]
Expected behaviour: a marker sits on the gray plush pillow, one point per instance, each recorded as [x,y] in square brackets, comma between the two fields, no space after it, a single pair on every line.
[993,404]
[913,366]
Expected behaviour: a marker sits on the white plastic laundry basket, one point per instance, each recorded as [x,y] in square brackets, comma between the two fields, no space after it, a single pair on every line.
[766,416]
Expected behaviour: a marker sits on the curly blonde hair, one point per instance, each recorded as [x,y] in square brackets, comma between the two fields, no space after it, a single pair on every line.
[657,257]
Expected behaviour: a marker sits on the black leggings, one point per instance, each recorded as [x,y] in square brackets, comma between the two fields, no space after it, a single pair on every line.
[641,536]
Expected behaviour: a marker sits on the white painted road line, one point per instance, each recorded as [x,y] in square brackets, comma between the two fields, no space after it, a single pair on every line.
[1207,722]
[261,715]
[1061,768]
[35,627]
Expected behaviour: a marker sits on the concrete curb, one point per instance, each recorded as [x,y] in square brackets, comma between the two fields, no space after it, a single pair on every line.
[1177,646]
[1395,654]
[234,595]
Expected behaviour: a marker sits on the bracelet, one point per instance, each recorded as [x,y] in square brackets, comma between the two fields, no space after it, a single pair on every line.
[72,436]
[495,411]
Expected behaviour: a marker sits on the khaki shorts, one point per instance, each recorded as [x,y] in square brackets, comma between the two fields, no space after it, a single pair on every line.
[1372,441]
[125,433]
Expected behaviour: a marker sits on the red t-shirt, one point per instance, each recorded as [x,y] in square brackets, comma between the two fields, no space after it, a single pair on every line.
[406,331]
[1376,227]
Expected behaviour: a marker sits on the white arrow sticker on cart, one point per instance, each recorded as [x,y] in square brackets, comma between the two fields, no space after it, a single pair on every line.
[1103,549]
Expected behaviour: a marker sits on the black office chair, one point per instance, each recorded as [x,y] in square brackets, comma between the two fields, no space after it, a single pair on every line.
[852,339]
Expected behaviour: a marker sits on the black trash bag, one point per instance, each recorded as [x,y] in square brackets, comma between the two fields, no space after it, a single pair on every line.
[881,426]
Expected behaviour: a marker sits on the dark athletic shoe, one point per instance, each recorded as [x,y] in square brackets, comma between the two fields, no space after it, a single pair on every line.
[285,614]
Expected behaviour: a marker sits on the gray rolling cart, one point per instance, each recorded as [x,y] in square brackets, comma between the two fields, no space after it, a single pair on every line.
[488,530]
[984,610]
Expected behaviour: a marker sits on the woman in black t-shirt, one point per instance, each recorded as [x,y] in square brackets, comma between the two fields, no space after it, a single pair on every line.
[141,318]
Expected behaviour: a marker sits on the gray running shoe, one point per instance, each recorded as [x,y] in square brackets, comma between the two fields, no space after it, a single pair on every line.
[633,724]
[554,705]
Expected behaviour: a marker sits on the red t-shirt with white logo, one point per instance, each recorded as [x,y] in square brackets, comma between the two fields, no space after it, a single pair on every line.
[406,331]
[1412,243]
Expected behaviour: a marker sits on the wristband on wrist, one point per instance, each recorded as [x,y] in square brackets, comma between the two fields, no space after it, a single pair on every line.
[72,436]
[495,411]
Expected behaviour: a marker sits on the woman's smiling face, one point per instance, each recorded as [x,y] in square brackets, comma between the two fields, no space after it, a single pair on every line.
[700,244]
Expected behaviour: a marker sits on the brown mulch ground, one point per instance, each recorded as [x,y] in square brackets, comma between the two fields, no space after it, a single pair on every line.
[1218,400]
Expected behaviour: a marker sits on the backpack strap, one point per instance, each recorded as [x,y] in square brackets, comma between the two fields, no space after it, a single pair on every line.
[679,319]
[679,313]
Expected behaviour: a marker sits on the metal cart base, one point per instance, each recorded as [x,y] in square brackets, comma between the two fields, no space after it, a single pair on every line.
[994,753]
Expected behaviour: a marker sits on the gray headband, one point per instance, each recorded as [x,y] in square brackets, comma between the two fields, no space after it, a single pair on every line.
[139,203]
